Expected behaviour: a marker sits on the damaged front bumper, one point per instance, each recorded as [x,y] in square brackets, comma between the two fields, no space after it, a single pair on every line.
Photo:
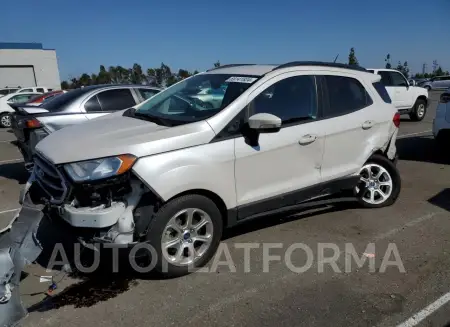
[29,234]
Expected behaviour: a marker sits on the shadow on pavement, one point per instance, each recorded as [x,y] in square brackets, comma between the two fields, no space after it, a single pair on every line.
[15,171]
[279,219]
[442,200]
[423,149]
[104,284]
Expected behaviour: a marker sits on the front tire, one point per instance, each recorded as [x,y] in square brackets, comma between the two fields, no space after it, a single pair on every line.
[185,234]
[419,111]
[5,120]
[380,183]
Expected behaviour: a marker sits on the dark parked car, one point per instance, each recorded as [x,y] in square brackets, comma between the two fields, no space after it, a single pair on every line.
[32,123]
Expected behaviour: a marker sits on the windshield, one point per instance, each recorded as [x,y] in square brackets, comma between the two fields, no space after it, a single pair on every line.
[196,98]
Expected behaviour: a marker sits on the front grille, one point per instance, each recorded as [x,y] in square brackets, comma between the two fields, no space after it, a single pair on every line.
[50,180]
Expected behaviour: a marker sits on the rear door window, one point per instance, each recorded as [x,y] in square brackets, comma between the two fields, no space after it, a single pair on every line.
[345,95]
[92,105]
[385,78]
[398,79]
[40,90]
[117,99]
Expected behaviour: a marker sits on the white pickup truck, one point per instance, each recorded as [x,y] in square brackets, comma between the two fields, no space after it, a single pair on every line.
[408,99]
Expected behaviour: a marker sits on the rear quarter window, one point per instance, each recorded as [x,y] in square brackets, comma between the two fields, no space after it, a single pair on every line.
[382,92]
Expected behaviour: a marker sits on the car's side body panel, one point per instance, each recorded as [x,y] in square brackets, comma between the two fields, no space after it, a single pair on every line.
[209,167]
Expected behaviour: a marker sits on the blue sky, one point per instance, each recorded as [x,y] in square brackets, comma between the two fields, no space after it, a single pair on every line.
[195,34]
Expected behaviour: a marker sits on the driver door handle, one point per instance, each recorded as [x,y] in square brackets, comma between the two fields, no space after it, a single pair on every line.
[307,139]
[368,124]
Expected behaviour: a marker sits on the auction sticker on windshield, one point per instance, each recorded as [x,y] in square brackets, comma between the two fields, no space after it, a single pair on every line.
[237,79]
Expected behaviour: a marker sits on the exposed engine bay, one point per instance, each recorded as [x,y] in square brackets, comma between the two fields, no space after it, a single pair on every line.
[114,211]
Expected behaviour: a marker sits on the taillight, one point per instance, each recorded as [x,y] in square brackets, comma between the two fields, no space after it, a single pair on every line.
[33,123]
[396,119]
[445,98]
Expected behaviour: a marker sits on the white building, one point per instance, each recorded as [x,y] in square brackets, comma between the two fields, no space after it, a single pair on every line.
[28,64]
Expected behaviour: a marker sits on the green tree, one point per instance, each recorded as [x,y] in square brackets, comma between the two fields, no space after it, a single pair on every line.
[195,72]
[74,83]
[352,60]
[64,85]
[136,74]
[85,80]
[103,76]
[119,75]
[388,61]
[94,79]
[151,77]
[403,68]
[182,74]
[167,77]
[438,72]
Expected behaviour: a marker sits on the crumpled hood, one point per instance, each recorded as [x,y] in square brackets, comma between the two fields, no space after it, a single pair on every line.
[116,134]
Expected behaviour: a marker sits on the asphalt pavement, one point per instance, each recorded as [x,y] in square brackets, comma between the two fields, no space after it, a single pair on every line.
[410,290]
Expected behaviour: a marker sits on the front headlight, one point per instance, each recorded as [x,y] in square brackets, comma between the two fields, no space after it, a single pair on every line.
[99,168]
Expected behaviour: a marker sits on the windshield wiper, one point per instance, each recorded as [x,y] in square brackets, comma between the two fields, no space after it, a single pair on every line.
[157,120]
[153,119]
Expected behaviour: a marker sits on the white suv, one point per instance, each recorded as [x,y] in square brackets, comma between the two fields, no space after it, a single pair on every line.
[38,89]
[174,170]
[408,99]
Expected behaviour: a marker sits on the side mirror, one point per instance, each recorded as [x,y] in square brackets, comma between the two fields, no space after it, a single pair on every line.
[412,83]
[265,123]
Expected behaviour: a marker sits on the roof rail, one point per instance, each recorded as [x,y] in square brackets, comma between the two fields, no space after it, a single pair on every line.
[230,65]
[320,63]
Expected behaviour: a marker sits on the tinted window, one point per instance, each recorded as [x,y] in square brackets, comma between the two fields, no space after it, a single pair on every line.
[20,98]
[398,79]
[25,90]
[292,99]
[385,78]
[49,90]
[92,105]
[382,92]
[113,100]
[40,90]
[147,93]
[4,92]
[61,102]
[345,95]
[370,70]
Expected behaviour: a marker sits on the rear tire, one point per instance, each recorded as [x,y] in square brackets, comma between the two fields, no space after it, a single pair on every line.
[5,120]
[167,227]
[382,187]
[419,110]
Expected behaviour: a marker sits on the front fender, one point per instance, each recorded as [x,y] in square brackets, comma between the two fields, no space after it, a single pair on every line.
[208,167]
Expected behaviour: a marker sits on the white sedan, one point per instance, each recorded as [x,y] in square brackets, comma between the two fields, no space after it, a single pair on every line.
[5,108]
